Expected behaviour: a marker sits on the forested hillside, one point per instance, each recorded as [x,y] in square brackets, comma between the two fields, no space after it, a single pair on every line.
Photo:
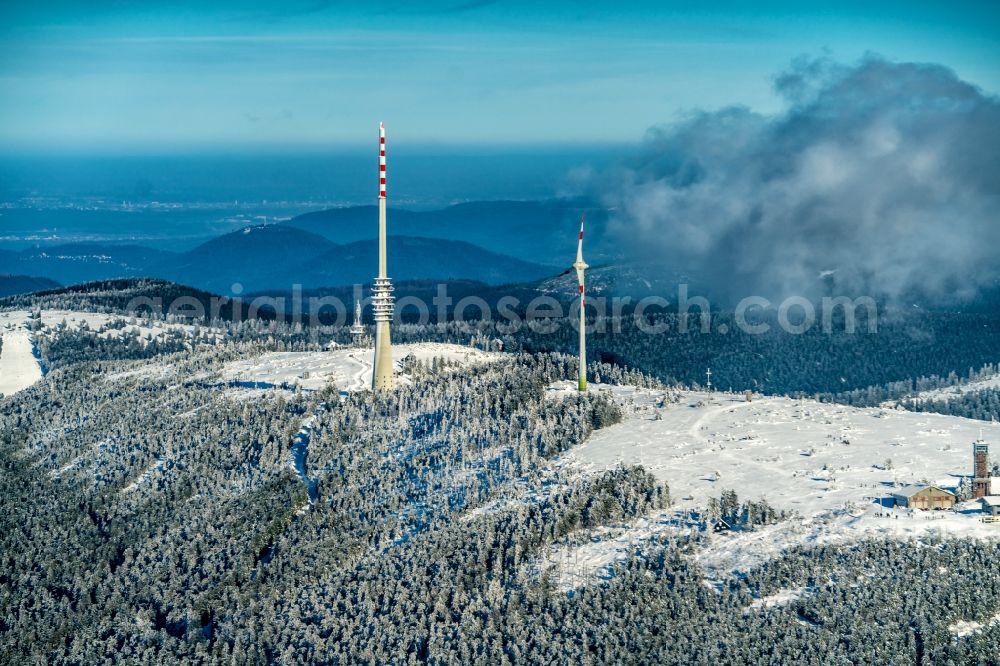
[155,514]
[276,257]
[815,362]
[983,405]
[904,353]
[538,231]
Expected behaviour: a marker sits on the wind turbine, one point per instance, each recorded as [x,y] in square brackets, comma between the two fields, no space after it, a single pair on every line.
[580,265]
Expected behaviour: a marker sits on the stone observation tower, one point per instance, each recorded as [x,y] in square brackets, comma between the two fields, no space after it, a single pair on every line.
[382,299]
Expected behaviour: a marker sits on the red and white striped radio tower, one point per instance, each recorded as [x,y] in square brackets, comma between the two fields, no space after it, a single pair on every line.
[382,299]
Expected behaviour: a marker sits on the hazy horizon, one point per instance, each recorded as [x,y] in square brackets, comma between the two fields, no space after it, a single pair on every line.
[423,176]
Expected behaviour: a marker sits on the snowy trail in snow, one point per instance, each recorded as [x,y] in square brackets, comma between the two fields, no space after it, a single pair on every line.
[360,379]
[300,455]
[711,415]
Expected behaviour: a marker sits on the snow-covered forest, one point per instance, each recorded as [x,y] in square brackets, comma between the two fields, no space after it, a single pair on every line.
[157,511]
[907,351]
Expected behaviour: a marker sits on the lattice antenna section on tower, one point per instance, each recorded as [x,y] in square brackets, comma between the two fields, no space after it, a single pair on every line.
[383,302]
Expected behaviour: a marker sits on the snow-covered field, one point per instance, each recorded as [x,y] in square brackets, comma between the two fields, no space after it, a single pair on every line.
[144,328]
[19,368]
[349,369]
[826,463]
[801,455]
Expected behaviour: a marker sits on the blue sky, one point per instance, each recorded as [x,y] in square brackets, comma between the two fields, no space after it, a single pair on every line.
[109,76]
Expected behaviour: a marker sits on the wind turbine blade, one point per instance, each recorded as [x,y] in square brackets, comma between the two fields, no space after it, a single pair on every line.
[579,247]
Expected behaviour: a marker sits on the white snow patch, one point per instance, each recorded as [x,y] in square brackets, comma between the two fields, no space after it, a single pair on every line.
[189,413]
[779,598]
[572,564]
[634,398]
[518,493]
[57,473]
[148,371]
[349,369]
[114,325]
[145,476]
[245,394]
[19,368]
[963,628]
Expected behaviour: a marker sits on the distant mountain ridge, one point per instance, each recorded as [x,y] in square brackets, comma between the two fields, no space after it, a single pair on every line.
[256,257]
[273,257]
[270,257]
[73,263]
[543,232]
[25,284]
[494,242]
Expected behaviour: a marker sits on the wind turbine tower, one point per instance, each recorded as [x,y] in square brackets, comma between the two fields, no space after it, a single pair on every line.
[580,267]
[382,299]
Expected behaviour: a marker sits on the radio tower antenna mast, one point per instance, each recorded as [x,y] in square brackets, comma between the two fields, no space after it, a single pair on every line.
[580,267]
[358,330]
[382,299]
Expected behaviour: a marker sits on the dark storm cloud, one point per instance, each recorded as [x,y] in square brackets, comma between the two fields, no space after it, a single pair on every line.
[884,176]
